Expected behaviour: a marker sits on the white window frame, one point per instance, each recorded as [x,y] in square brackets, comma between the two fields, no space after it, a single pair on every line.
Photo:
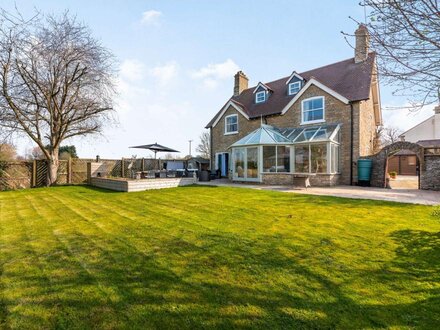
[323,110]
[296,85]
[290,146]
[259,94]
[245,164]
[334,157]
[226,125]
[330,158]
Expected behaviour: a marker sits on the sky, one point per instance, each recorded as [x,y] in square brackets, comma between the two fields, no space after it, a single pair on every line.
[177,58]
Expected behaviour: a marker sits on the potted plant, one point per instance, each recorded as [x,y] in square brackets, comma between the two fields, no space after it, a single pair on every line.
[393,174]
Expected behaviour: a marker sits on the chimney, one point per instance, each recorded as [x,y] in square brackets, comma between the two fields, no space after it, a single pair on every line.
[362,44]
[241,83]
[437,110]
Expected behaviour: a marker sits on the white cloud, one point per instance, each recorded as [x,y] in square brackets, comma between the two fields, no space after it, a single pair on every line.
[150,17]
[132,69]
[210,83]
[218,70]
[165,73]
[212,73]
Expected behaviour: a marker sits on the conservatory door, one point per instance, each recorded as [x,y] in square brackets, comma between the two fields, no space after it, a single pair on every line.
[239,163]
[245,164]
[252,163]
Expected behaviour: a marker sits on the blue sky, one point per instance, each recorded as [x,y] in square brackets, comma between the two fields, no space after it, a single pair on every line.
[177,60]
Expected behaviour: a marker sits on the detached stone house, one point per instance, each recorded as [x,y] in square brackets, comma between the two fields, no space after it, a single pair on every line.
[313,124]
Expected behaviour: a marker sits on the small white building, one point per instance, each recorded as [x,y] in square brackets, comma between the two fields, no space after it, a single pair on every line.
[428,129]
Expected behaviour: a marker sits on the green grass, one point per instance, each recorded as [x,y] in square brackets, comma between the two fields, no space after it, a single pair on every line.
[202,257]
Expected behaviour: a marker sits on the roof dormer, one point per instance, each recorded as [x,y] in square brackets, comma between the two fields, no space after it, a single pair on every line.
[261,92]
[294,83]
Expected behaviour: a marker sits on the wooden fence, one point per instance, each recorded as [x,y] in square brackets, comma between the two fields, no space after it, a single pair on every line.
[31,174]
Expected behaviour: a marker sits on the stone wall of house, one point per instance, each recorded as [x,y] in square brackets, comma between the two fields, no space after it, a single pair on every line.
[367,127]
[430,178]
[277,178]
[336,112]
[221,142]
[324,180]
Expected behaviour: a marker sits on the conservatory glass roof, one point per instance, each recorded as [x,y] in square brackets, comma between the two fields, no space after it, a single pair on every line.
[264,135]
[272,135]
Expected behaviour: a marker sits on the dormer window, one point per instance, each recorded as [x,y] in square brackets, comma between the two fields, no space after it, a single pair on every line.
[294,87]
[231,124]
[261,92]
[260,97]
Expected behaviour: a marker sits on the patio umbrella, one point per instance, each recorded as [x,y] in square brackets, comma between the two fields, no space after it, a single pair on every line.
[155,148]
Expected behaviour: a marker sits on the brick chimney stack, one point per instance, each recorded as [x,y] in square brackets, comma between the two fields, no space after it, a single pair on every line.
[437,110]
[362,44]
[241,83]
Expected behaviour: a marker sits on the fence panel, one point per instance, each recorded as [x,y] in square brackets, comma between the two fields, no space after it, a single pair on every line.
[20,174]
[15,175]
[41,173]
[62,172]
[79,170]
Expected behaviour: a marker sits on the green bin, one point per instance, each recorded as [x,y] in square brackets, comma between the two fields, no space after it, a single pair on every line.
[364,171]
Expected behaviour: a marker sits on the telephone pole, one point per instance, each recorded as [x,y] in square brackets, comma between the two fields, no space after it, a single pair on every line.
[190,146]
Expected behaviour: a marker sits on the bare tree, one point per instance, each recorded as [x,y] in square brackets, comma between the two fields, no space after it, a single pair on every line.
[378,142]
[56,81]
[390,135]
[406,37]
[204,146]
[35,153]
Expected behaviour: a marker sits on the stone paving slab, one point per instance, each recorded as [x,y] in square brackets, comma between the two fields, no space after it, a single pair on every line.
[413,196]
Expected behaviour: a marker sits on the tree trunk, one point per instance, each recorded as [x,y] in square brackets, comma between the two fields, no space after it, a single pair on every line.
[52,168]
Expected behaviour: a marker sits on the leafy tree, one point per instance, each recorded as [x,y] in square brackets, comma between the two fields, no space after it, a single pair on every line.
[56,81]
[69,150]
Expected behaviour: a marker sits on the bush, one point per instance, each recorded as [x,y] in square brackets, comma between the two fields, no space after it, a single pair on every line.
[392,174]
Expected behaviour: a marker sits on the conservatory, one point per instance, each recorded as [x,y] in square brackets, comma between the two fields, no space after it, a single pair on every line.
[269,152]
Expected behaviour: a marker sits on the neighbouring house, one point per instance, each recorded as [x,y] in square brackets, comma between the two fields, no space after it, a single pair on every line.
[313,124]
[428,129]
[427,134]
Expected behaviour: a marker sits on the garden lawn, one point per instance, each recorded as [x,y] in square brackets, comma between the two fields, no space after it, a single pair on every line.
[204,257]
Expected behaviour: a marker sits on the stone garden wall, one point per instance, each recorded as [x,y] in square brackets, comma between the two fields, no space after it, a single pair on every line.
[429,166]
[430,180]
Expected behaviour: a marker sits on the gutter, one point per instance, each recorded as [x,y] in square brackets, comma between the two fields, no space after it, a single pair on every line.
[351,142]
[211,151]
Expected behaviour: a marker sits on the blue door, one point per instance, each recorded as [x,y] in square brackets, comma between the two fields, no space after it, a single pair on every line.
[223,164]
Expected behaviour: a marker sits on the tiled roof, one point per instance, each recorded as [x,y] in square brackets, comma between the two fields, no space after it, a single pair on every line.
[347,78]
[429,143]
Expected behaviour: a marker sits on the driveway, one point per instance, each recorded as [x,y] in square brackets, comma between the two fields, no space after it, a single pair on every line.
[412,196]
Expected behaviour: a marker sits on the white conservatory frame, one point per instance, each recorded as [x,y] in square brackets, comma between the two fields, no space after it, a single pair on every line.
[332,152]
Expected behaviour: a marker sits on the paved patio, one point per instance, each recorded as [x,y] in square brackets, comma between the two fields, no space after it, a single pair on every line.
[413,196]
[405,182]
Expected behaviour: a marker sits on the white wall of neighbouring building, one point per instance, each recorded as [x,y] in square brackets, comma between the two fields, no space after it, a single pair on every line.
[428,129]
